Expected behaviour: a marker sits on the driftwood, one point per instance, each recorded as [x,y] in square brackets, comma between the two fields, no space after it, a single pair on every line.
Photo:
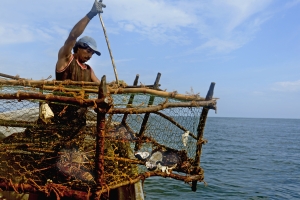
[58,85]
[200,130]
[106,100]
[50,97]
[174,95]
[32,83]
[28,82]
[65,89]
[100,139]
[132,90]
[210,103]
[9,76]
[125,160]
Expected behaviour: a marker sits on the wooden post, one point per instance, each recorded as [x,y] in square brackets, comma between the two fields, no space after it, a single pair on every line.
[131,98]
[100,137]
[146,116]
[135,188]
[200,131]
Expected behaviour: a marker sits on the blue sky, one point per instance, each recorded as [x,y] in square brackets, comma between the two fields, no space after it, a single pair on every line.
[249,48]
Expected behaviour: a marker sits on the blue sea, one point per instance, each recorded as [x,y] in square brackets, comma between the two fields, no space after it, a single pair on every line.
[245,158]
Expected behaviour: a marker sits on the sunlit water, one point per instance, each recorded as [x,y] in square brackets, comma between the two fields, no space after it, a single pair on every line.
[244,159]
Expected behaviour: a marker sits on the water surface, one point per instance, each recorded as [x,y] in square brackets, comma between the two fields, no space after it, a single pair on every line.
[245,158]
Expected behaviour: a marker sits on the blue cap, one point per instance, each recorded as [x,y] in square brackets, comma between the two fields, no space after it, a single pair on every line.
[90,42]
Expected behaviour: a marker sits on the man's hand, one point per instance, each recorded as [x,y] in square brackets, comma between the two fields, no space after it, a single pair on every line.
[97,8]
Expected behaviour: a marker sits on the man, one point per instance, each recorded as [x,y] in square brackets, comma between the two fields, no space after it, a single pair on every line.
[72,66]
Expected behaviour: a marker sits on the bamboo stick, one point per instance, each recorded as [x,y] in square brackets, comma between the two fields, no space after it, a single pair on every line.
[134,90]
[89,89]
[46,85]
[146,116]
[100,139]
[200,131]
[27,82]
[211,103]
[9,76]
[201,124]
[125,160]
[51,97]
[41,83]
[109,49]
[135,82]
[173,95]
[92,102]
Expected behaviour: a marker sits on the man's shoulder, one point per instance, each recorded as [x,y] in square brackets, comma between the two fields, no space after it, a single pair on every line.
[63,63]
[88,66]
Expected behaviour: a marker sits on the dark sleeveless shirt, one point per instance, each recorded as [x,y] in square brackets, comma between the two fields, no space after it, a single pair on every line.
[75,71]
[71,116]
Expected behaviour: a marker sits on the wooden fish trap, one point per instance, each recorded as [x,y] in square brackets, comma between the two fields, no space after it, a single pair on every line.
[101,137]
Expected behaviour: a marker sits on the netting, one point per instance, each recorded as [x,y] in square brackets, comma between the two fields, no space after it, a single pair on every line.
[39,154]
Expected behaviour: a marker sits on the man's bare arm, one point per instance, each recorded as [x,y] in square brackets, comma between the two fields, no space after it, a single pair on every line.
[65,52]
[94,77]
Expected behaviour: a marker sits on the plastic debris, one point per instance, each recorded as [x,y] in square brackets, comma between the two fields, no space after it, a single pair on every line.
[45,112]
[142,155]
[185,137]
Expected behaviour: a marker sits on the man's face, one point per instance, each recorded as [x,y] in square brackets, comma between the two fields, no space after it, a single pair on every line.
[84,54]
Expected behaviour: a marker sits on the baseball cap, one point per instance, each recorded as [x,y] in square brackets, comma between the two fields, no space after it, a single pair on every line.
[90,42]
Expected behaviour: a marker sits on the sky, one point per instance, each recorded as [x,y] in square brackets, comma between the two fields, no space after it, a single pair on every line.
[249,48]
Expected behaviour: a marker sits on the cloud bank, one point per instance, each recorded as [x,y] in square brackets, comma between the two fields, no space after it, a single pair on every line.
[219,26]
[287,86]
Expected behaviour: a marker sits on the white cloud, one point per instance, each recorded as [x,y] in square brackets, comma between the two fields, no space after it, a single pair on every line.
[11,34]
[16,33]
[220,45]
[150,14]
[129,27]
[222,26]
[258,93]
[32,21]
[219,26]
[240,11]
[287,86]
[159,21]
[293,3]
[231,24]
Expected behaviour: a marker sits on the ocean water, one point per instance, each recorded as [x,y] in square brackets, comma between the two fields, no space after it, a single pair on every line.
[245,158]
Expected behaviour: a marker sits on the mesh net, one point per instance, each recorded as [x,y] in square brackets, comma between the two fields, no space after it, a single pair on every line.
[61,150]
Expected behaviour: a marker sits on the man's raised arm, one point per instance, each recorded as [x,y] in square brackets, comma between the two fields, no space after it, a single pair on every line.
[65,52]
